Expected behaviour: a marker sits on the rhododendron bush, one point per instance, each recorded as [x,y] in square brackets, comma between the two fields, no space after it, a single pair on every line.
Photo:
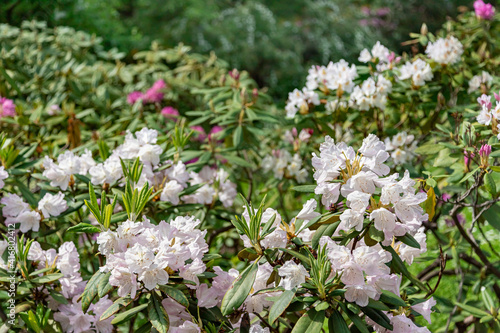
[169,193]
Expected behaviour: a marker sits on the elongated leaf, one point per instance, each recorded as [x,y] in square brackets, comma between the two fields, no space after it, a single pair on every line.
[472,310]
[47,278]
[238,136]
[124,316]
[378,316]
[336,323]
[175,294]
[158,317]
[280,305]
[311,321]
[84,227]
[360,325]
[104,286]
[409,240]
[298,255]
[489,184]
[240,289]
[304,188]
[119,304]
[90,291]
[391,298]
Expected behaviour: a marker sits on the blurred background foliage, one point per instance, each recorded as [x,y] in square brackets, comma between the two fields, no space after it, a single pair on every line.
[275,41]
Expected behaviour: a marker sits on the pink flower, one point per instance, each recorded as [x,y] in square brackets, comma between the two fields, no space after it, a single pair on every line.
[154,94]
[199,133]
[497,96]
[134,96]
[214,130]
[467,156]
[483,10]
[445,197]
[7,108]
[235,74]
[485,100]
[170,112]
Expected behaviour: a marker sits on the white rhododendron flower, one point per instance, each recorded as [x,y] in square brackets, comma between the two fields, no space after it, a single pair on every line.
[52,205]
[445,50]
[293,275]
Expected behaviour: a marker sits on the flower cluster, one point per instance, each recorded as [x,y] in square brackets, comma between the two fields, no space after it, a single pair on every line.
[371,94]
[357,177]
[380,54]
[483,10]
[489,115]
[402,146]
[283,164]
[300,101]
[419,71]
[152,95]
[7,107]
[66,260]
[68,164]
[445,50]
[335,76]
[15,210]
[477,81]
[169,177]
[140,254]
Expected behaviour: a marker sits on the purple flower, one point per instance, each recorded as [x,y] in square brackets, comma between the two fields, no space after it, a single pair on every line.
[154,94]
[134,96]
[7,107]
[170,112]
[484,11]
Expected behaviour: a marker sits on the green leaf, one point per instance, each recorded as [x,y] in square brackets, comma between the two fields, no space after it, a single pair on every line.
[47,278]
[90,291]
[356,320]
[236,160]
[491,215]
[104,286]
[125,316]
[297,255]
[304,188]
[324,230]
[489,184]
[240,289]
[84,227]
[311,321]
[409,240]
[280,305]
[58,297]
[238,136]
[468,175]
[175,294]
[119,304]
[378,316]
[391,298]
[158,317]
[472,310]
[336,323]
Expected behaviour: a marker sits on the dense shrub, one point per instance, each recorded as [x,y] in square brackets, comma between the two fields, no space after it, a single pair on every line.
[119,188]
